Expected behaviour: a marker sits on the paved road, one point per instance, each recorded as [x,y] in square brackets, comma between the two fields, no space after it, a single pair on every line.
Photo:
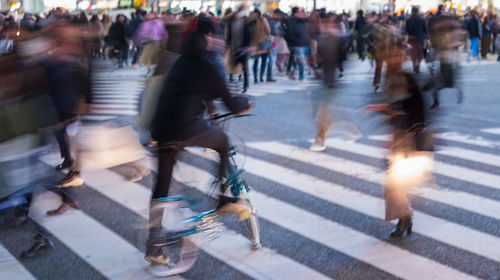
[321,214]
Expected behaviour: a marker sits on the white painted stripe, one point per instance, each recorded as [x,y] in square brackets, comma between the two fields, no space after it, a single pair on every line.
[127,89]
[117,96]
[457,152]
[10,268]
[115,112]
[97,117]
[467,139]
[112,92]
[109,105]
[484,244]
[492,130]
[470,155]
[452,136]
[104,250]
[114,100]
[427,225]
[356,244]
[470,202]
[446,169]
[231,248]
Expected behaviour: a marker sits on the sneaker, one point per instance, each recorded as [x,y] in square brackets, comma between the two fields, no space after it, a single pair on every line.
[65,164]
[73,179]
[139,173]
[234,206]
[183,257]
[42,245]
[317,147]
[209,151]
[155,252]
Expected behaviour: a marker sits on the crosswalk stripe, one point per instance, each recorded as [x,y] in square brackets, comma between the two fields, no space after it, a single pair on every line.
[446,169]
[107,252]
[470,202]
[470,155]
[114,100]
[93,117]
[115,92]
[356,244]
[492,130]
[230,247]
[10,268]
[436,228]
[115,97]
[115,112]
[452,136]
[113,106]
[123,93]
[467,139]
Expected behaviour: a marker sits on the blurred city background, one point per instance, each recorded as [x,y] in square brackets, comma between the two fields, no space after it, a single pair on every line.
[363,138]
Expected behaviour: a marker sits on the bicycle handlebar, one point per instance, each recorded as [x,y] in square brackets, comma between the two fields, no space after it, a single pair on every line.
[228,116]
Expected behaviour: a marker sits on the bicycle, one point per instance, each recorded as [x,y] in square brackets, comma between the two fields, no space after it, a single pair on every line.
[206,222]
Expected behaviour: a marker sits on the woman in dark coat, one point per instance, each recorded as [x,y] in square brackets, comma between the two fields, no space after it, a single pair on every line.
[118,41]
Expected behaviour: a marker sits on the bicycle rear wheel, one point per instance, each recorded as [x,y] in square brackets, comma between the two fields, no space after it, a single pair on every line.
[251,224]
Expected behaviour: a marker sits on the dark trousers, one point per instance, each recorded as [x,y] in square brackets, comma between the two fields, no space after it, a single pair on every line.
[63,141]
[243,60]
[136,51]
[199,135]
[291,63]
[360,46]
[263,64]
[124,54]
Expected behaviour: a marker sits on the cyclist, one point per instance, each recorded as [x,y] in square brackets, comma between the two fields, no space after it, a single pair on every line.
[178,123]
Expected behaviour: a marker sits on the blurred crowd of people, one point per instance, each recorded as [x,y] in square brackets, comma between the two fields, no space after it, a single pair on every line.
[46,64]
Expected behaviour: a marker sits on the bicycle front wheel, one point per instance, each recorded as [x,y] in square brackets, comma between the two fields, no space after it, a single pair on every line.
[251,224]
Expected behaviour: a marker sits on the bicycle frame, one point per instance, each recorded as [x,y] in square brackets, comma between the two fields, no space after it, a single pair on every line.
[208,219]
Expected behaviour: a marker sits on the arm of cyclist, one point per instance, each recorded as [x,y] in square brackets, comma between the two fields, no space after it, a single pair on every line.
[236,104]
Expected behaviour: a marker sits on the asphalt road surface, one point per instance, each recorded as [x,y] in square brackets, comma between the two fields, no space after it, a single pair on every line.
[321,214]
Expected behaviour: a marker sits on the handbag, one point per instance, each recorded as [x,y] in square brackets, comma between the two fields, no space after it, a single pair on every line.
[102,146]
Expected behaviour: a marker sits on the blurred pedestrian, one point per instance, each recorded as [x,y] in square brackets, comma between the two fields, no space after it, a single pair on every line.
[359,25]
[96,36]
[132,28]
[474,28]
[261,43]
[384,35]
[106,25]
[238,40]
[152,37]
[486,38]
[328,53]
[417,31]
[117,41]
[297,37]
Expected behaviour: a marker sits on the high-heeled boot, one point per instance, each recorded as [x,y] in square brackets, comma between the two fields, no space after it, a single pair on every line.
[404,225]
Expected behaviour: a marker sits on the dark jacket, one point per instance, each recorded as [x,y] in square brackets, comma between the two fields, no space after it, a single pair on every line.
[191,81]
[329,50]
[133,26]
[474,28]
[116,36]
[415,26]
[297,32]
[359,24]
